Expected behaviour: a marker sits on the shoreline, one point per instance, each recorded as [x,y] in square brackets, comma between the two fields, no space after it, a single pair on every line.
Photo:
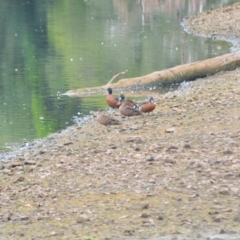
[210,24]
[170,174]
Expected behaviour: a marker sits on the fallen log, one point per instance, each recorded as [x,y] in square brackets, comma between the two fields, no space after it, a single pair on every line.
[178,74]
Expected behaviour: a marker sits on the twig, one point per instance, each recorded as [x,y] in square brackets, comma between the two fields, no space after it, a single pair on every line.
[113,78]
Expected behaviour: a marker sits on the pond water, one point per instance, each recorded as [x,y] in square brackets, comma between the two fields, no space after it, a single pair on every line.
[58,45]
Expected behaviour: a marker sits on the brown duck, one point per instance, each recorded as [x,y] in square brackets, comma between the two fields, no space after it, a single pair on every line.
[147,106]
[106,120]
[111,100]
[127,110]
[127,101]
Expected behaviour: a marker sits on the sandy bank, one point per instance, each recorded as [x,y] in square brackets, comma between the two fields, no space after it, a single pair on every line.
[134,181]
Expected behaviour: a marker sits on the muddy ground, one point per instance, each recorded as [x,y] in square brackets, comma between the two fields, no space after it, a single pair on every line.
[174,174]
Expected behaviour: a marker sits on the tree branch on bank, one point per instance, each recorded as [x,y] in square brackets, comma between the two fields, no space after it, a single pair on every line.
[178,74]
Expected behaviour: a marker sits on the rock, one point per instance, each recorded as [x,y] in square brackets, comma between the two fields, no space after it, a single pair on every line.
[1,166]
[82,219]
[135,139]
[150,158]
[169,161]
[53,233]
[234,190]
[145,215]
[24,218]
[30,163]
[134,127]
[148,222]
[217,219]
[7,217]
[129,232]
[227,152]
[172,149]
[170,130]
[224,191]
[13,164]
[237,219]
[187,146]
[7,171]
[19,179]
[145,206]
[160,218]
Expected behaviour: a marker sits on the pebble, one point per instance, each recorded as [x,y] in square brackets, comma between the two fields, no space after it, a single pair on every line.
[170,130]
[145,206]
[82,219]
[19,179]
[224,191]
[134,127]
[145,215]
[150,158]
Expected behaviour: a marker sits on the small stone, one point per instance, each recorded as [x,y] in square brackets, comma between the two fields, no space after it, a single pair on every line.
[224,191]
[7,171]
[128,232]
[213,213]
[236,219]
[52,233]
[20,179]
[148,222]
[150,158]
[134,127]
[82,219]
[151,181]
[135,139]
[169,161]
[144,215]
[16,164]
[234,190]
[145,206]
[160,218]
[170,130]
[1,166]
[217,219]
[30,163]
[13,164]
[24,218]
[227,152]
[7,217]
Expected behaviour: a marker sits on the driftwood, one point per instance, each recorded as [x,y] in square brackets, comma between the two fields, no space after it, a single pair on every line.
[178,74]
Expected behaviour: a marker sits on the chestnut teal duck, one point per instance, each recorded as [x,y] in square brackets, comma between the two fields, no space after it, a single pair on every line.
[147,106]
[127,101]
[111,100]
[126,109]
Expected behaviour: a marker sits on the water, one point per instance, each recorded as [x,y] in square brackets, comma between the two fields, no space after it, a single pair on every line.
[51,46]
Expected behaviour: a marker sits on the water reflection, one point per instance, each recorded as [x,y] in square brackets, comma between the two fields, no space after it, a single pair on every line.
[51,46]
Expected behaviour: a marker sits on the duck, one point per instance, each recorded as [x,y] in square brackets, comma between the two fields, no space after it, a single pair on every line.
[147,106]
[111,100]
[127,101]
[126,109]
[106,120]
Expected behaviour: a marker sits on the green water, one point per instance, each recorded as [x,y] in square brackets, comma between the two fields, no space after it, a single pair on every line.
[58,45]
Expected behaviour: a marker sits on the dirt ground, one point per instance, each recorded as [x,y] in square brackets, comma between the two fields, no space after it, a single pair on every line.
[173,174]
